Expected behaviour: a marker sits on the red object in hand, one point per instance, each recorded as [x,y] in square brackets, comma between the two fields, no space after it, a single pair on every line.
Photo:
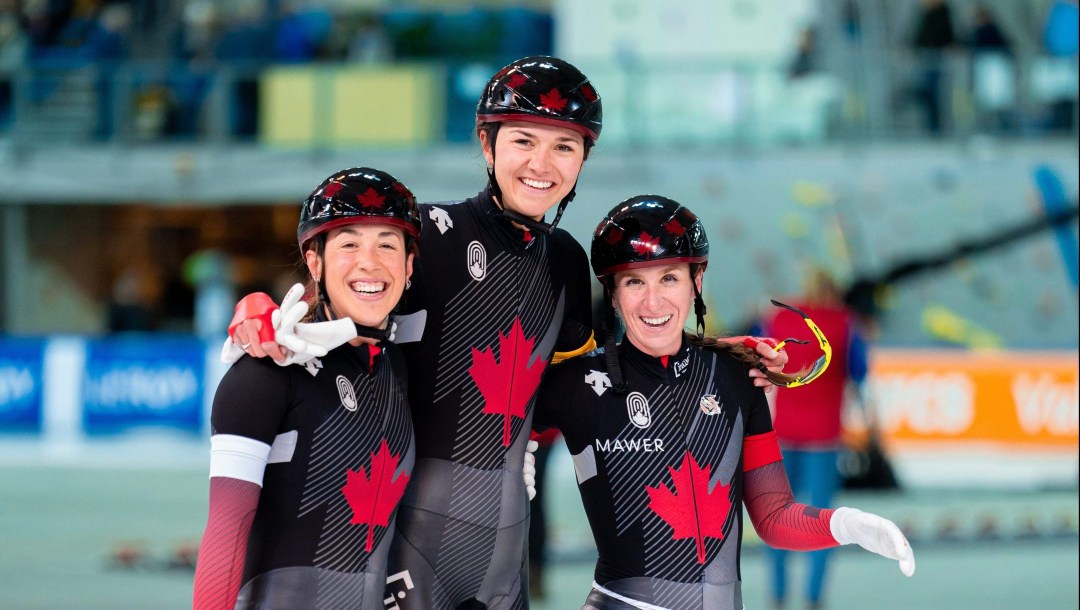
[255,306]
[752,342]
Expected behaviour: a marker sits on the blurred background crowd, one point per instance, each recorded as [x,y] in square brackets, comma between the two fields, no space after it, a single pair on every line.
[187,130]
[152,69]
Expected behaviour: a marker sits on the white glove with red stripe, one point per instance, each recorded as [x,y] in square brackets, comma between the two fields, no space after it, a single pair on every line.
[276,322]
[301,341]
[873,533]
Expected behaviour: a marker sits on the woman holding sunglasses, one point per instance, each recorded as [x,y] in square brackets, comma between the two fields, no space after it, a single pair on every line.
[498,295]
[669,437]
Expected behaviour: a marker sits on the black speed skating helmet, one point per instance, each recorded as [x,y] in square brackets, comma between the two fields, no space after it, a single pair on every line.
[356,196]
[644,231]
[542,89]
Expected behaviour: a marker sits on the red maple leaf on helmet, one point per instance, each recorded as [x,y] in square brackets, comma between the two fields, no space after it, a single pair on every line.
[553,100]
[507,385]
[588,93]
[331,189]
[645,244]
[691,510]
[371,199]
[373,498]
[674,227]
[613,236]
[516,80]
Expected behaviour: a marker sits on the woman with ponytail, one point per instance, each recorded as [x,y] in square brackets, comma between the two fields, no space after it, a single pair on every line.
[670,438]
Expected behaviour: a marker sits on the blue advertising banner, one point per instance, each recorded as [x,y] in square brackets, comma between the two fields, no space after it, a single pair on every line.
[143,381]
[21,384]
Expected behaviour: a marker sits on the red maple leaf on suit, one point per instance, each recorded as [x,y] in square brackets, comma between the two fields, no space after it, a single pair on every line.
[331,189]
[507,385]
[374,497]
[553,100]
[691,510]
[371,199]
[674,227]
[645,243]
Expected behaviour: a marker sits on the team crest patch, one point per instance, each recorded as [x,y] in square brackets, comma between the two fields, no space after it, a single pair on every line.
[709,405]
[345,391]
[476,259]
[637,408]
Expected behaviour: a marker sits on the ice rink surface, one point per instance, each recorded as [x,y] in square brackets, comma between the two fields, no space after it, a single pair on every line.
[64,518]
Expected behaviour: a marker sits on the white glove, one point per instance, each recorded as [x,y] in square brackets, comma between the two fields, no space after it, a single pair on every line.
[309,340]
[529,471]
[873,533]
[293,308]
[230,352]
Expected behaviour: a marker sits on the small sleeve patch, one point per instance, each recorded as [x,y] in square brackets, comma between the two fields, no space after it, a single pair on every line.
[584,464]
[283,448]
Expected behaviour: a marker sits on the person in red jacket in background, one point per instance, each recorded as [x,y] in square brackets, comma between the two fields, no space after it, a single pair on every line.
[807,420]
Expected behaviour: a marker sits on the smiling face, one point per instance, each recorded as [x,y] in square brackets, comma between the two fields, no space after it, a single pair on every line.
[536,165]
[365,267]
[654,303]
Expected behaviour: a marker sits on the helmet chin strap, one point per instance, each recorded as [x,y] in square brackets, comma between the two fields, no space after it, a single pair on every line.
[368,332]
[611,351]
[532,224]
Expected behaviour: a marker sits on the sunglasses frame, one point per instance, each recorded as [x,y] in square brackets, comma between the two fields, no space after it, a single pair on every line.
[823,342]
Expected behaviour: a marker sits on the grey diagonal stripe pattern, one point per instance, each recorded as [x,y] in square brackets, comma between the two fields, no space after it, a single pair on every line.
[334,449]
[478,438]
[631,472]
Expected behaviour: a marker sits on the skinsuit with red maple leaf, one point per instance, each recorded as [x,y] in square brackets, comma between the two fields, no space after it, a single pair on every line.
[670,439]
[498,295]
[501,292]
[497,292]
[308,463]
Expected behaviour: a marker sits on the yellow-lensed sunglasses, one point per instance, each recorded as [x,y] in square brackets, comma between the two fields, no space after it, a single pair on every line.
[821,363]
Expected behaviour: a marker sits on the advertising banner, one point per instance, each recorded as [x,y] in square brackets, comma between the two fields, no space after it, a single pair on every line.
[138,382]
[1012,400]
[21,384]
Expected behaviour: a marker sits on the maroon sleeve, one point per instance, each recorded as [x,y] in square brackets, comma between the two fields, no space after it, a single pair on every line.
[220,565]
[778,519]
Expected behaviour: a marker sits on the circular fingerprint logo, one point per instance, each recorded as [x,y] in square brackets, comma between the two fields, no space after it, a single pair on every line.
[345,391]
[638,410]
[476,258]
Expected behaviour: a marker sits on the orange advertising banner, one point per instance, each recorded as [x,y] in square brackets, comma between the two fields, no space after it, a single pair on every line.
[1023,400]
